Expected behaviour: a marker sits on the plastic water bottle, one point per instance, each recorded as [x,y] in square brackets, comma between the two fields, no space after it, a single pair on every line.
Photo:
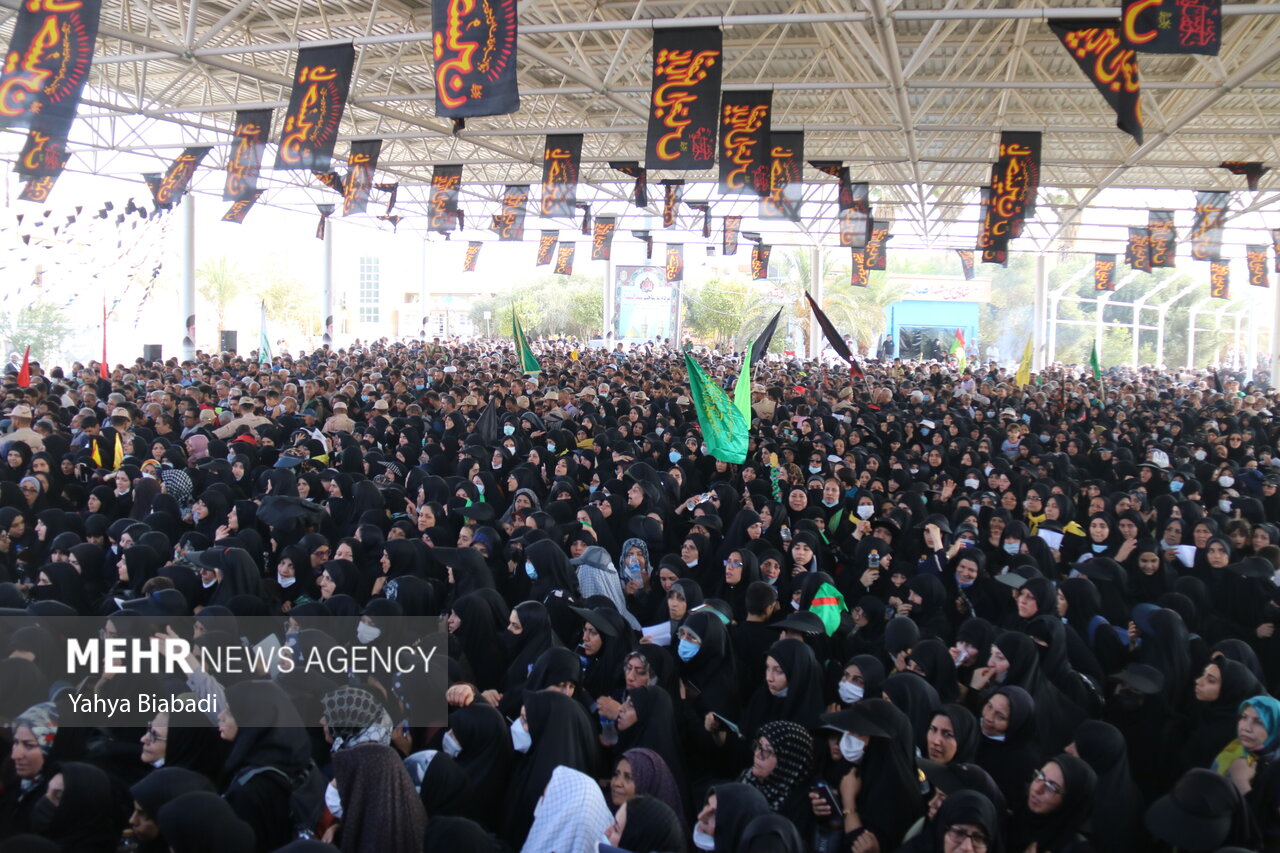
[128,844]
[608,731]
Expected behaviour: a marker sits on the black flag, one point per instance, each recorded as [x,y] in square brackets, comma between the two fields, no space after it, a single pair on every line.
[765,338]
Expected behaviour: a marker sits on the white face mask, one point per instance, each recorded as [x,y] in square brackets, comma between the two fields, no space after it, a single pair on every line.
[333,801]
[521,740]
[285,582]
[1226,481]
[703,841]
[849,692]
[1199,454]
[865,511]
[1225,505]
[851,748]
[450,745]
[367,633]
[971,483]
[209,584]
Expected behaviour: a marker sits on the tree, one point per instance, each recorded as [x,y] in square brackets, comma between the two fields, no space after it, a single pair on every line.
[41,325]
[289,304]
[551,305]
[221,282]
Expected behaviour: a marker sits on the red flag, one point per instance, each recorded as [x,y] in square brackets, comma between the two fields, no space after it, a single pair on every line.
[102,365]
[24,372]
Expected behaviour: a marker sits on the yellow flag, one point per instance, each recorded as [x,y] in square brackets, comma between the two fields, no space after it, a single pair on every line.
[119,451]
[97,457]
[1024,369]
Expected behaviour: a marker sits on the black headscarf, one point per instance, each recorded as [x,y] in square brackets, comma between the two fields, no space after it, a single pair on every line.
[1056,830]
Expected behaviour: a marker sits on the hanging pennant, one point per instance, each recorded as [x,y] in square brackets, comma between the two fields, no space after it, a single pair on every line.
[509,224]
[1096,48]
[564,259]
[1220,279]
[602,238]
[1163,238]
[442,206]
[1104,272]
[561,162]
[393,188]
[332,180]
[1173,26]
[685,99]
[859,274]
[1206,229]
[326,210]
[855,220]
[240,209]
[671,194]
[836,169]
[966,263]
[361,163]
[675,262]
[632,168]
[394,220]
[244,163]
[877,246]
[1137,253]
[705,209]
[646,238]
[38,189]
[729,242]
[1256,259]
[471,255]
[760,262]
[586,218]
[546,248]
[786,177]
[1251,171]
[744,142]
[320,83]
[474,47]
[169,189]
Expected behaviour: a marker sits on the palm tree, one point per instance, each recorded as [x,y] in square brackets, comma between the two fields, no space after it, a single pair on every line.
[861,310]
[221,281]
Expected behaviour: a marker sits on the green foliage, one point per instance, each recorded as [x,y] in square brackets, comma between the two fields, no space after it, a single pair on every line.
[41,325]
[220,282]
[552,305]
[289,304]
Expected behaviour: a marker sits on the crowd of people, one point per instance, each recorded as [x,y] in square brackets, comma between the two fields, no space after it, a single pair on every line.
[932,610]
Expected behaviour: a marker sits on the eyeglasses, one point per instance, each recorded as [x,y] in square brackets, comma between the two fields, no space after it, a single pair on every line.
[765,752]
[154,736]
[734,563]
[1053,786]
[976,840]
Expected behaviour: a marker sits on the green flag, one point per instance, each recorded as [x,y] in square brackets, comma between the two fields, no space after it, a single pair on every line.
[742,391]
[1095,364]
[827,605]
[528,364]
[724,429]
[264,343]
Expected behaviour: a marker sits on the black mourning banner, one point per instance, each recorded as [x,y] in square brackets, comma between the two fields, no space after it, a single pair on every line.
[331,180]
[876,249]
[1137,253]
[1104,272]
[855,220]
[671,193]
[675,262]
[760,261]
[646,238]
[546,248]
[244,163]
[685,99]
[1172,26]
[509,224]
[169,189]
[38,189]
[393,189]
[1206,230]
[859,274]
[994,251]
[732,228]
[320,83]
[966,262]
[786,177]
[632,168]
[1220,279]
[744,142]
[471,255]
[1251,171]
[561,161]
[705,209]
[326,210]
[602,237]
[474,47]
[564,259]
[1014,180]
[1163,239]
[1256,259]
[442,206]
[240,209]
[361,163]
[836,169]
[586,218]
[1096,47]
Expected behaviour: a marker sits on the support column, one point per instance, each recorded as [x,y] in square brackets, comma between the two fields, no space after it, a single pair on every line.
[422,293]
[188,206]
[1251,349]
[816,338]
[1191,333]
[326,283]
[1039,322]
[1275,337]
[1051,355]
[1097,332]
[606,324]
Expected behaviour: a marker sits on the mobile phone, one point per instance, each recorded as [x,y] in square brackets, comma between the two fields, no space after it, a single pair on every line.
[828,795]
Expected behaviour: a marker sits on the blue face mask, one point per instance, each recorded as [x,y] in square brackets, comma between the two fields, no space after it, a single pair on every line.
[828,504]
[592,489]
[848,493]
[963,584]
[1098,549]
[551,448]
[508,429]
[419,386]
[530,571]
[1012,547]
[924,430]
[1044,439]
[1176,486]
[815,469]
[674,456]
[686,650]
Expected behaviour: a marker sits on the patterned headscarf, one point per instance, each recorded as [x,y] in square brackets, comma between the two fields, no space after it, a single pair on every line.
[355,716]
[42,719]
[793,746]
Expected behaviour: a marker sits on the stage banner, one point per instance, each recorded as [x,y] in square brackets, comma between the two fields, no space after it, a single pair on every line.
[966,263]
[602,237]
[675,262]
[320,84]
[645,305]
[1164,239]
[240,209]
[632,168]
[877,246]
[169,189]
[744,142]
[855,220]
[1104,272]
[672,191]
[442,205]
[470,255]
[1137,253]
[685,99]
[1172,26]
[1256,258]
[1220,279]
[474,46]
[786,177]
[732,228]
[561,161]
[546,248]
[1206,229]
[244,163]
[361,163]
[509,224]
[1096,47]
[1251,171]
[760,262]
